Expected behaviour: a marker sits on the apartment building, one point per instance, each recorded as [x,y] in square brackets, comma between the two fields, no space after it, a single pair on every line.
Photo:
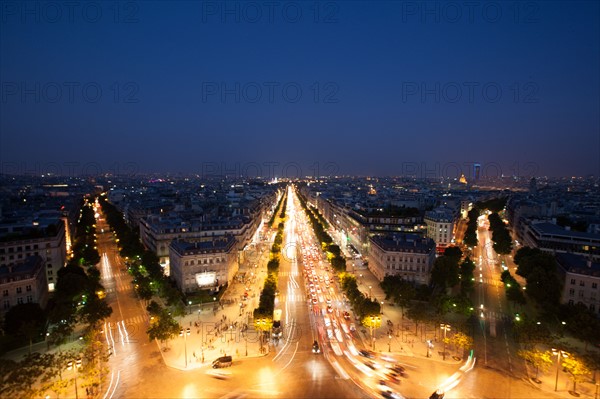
[203,264]
[23,282]
[408,255]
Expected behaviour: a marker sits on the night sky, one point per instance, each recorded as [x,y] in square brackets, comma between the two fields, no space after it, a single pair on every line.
[343,87]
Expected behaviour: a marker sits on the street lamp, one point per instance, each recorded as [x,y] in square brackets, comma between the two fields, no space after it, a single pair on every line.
[445,327]
[190,305]
[429,346]
[184,334]
[370,291]
[381,307]
[373,324]
[261,323]
[559,354]
[389,342]
[77,367]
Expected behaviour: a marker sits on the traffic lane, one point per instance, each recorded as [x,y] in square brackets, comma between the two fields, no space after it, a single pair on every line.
[484,382]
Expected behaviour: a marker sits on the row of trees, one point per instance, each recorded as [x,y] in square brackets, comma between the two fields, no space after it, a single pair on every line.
[577,368]
[500,235]
[514,291]
[318,223]
[266,303]
[362,305]
[494,204]
[148,276]
[38,374]
[448,272]
[449,291]
[470,238]
[541,273]
[279,205]
[79,295]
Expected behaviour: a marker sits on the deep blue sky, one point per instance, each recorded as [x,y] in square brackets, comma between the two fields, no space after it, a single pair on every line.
[379,87]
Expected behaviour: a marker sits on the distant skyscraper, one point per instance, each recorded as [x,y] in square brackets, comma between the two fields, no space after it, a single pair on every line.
[532,186]
[476,171]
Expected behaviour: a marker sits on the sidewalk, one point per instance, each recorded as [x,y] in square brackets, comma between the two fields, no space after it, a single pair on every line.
[400,337]
[222,329]
[547,381]
[213,334]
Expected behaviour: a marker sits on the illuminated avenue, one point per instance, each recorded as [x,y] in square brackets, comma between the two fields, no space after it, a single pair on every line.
[316,339]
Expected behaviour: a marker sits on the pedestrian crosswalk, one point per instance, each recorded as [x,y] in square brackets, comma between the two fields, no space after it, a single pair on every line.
[494,282]
[139,319]
[494,315]
[119,287]
[295,298]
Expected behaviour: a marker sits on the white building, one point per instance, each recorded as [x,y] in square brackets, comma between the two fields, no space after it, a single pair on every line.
[203,264]
[440,226]
[408,255]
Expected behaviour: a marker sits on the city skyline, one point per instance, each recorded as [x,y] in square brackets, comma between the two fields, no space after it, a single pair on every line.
[294,89]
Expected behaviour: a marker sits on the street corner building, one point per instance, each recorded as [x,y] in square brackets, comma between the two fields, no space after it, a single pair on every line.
[408,255]
[208,264]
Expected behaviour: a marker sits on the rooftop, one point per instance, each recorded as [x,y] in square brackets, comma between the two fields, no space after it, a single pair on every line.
[404,243]
[221,244]
[27,267]
[578,264]
[547,228]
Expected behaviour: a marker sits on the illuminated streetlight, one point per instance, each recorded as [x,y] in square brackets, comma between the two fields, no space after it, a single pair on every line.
[76,366]
[445,327]
[184,334]
[374,322]
[559,354]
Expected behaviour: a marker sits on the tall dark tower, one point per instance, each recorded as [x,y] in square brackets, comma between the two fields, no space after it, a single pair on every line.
[476,171]
[533,186]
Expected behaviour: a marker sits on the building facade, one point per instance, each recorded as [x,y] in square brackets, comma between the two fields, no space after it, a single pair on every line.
[440,227]
[581,281]
[554,239]
[45,239]
[157,232]
[23,282]
[407,255]
[203,264]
